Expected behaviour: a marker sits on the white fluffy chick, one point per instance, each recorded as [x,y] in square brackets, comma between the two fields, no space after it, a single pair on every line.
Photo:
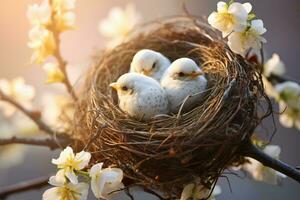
[183,82]
[149,63]
[140,96]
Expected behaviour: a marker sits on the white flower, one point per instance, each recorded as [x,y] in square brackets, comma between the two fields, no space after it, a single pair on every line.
[105,181]
[289,104]
[68,163]
[39,14]
[274,66]
[18,91]
[63,5]
[290,116]
[196,191]
[119,23]
[42,42]
[230,18]
[259,172]
[57,109]
[65,21]
[66,191]
[241,42]
[289,92]
[55,75]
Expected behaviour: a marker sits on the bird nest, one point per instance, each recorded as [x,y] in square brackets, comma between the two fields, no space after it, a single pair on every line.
[168,152]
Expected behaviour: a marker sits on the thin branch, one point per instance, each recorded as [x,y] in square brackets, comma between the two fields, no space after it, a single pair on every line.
[274,79]
[153,193]
[250,150]
[23,186]
[63,65]
[61,62]
[46,142]
[35,118]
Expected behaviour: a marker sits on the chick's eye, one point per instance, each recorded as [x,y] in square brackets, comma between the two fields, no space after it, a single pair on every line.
[153,65]
[124,88]
[180,74]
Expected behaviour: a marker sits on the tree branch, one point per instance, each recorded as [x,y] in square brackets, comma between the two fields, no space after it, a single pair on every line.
[61,62]
[23,186]
[274,79]
[32,115]
[250,150]
[46,142]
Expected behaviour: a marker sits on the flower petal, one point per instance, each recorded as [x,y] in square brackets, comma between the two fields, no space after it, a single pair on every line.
[96,169]
[82,158]
[71,176]
[79,190]
[239,11]
[258,26]
[59,179]
[187,191]
[64,155]
[273,151]
[52,194]
[222,6]
[248,7]
[235,43]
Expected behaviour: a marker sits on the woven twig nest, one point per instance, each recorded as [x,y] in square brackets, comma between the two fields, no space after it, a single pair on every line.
[170,151]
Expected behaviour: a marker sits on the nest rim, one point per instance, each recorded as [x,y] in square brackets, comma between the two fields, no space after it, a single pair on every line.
[184,139]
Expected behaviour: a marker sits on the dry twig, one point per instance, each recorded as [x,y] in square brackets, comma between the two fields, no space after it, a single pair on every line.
[23,186]
[46,142]
[32,115]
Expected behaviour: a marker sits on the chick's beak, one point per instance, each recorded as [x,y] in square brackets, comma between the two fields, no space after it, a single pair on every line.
[196,74]
[115,86]
[147,72]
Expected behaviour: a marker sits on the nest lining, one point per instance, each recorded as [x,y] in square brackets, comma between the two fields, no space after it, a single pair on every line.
[170,151]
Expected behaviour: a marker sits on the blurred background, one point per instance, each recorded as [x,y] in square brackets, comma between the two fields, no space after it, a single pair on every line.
[281,18]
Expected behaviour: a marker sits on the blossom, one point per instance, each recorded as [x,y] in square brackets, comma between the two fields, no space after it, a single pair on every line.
[289,92]
[57,109]
[64,21]
[55,75]
[68,163]
[42,42]
[66,191]
[63,5]
[290,117]
[105,181]
[230,18]
[196,191]
[274,66]
[289,103]
[269,88]
[241,42]
[18,91]
[39,14]
[259,172]
[64,16]
[119,23]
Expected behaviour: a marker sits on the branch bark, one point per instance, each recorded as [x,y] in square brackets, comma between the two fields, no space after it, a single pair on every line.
[36,119]
[23,186]
[250,150]
[46,142]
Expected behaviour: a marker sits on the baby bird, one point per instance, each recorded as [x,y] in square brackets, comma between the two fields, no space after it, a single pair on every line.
[149,63]
[182,79]
[140,96]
